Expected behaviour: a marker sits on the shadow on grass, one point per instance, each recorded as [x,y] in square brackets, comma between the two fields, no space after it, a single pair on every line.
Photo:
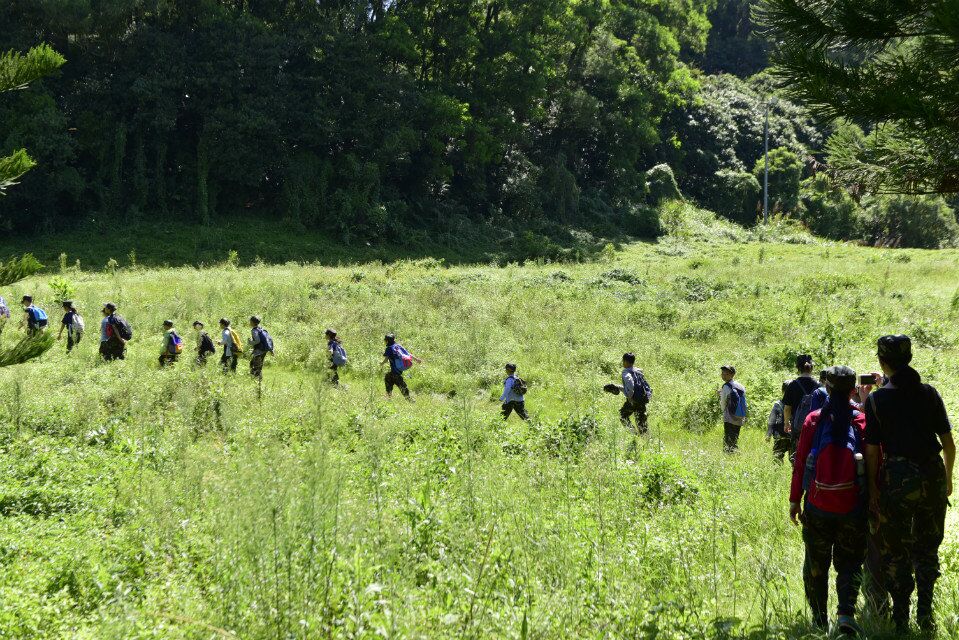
[156,244]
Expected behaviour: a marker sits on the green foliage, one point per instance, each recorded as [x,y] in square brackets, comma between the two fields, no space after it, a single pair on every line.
[734,45]
[785,175]
[893,67]
[736,195]
[26,349]
[661,185]
[829,211]
[17,269]
[905,221]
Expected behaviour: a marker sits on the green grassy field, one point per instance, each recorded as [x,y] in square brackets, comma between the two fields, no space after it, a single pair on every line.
[140,503]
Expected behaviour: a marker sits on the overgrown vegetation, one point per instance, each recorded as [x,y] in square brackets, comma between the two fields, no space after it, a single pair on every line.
[143,503]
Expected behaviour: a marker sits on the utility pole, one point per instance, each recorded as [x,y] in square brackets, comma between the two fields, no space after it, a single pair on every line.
[766,171]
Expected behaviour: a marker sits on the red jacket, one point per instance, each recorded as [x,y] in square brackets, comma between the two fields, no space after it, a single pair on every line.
[806,436]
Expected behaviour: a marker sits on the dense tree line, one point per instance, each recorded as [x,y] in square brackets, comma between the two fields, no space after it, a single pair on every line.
[363,118]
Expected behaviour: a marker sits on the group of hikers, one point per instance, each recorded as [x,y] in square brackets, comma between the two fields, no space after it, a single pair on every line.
[872,456]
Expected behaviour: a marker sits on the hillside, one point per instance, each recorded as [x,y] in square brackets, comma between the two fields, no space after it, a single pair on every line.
[182,504]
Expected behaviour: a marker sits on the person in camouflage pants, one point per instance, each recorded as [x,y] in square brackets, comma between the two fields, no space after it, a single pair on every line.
[837,541]
[912,517]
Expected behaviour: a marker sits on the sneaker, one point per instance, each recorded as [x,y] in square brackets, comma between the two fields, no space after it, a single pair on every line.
[847,626]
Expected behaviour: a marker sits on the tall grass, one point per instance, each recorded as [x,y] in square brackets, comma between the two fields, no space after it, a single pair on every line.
[180,503]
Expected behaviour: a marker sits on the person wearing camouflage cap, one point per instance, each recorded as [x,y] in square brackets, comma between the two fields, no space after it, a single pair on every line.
[910,453]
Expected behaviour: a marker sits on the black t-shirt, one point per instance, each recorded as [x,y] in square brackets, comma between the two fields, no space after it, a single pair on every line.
[797,390]
[68,319]
[906,419]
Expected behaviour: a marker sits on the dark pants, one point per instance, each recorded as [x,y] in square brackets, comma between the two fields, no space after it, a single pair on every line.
[781,445]
[874,582]
[634,408]
[228,362]
[395,378]
[167,358]
[731,436]
[256,365]
[912,516]
[72,342]
[334,375]
[113,350]
[518,407]
[840,541]
[201,357]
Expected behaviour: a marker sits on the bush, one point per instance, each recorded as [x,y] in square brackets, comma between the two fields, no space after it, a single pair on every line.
[909,221]
[661,185]
[829,211]
[735,195]
[785,174]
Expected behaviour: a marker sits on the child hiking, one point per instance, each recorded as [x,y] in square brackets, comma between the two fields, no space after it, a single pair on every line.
[114,334]
[637,392]
[204,344]
[337,355]
[260,344]
[829,496]
[732,399]
[34,318]
[399,360]
[172,345]
[230,342]
[514,394]
[73,323]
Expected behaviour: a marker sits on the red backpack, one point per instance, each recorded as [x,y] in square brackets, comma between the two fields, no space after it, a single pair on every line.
[834,479]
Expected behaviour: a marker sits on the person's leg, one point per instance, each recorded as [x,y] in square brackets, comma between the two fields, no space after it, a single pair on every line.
[642,424]
[817,536]
[898,495]
[928,529]
[625,412]
[335,377]
[521,410]
[507,410]
[401,383]
[730,437]
[162,360]
[234,361]
[780,447]
[388,379]
[874,586]
[849,552]
[105,352]
[225,362]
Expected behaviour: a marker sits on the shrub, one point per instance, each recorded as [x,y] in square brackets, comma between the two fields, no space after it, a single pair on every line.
[661,185]
[909,221]
[735,195]
[829,211]
[785,175]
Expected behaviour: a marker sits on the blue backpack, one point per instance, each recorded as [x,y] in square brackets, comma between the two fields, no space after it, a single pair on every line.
[266,342]
[38,317]
[813,401]
[736,401]
[642,388]
[834,474]
[402,360]
[338,353]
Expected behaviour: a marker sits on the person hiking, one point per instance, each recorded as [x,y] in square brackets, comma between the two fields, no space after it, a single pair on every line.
[776,428]
[732,399]
[337,355]
[514,392]
[204,343]
[172,344]
[828,495]
[114,334]
[4,314]
[798,389]
[73,323]
[230,342]
[910,454]
[34,318]
[260,344]
[637,392]
[399,360]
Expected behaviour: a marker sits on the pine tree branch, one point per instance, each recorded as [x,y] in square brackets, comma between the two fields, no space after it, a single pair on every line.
[12,167]
[28,348]
[17,269]
[17,70]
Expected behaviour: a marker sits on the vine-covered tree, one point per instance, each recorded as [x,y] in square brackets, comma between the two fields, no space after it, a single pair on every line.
[891,67]
[16,72]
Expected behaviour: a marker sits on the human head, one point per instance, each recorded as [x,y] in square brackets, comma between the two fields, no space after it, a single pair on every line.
[67,304]
[804,363]
[26,301]
[224,323]
[389,338]
[840,382]
[198,325]
[109,308]
[330,334]
[254,321]
[168,324]
[894,353]
[728,372]
[510,368]
[629,360]
[822,375]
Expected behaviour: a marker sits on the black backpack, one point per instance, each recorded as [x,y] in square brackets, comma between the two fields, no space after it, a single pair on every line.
[519,386]
[123,328]
[206,344]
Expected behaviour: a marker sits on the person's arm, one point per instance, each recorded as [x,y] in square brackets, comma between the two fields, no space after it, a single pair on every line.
[60,332]
[629,386]
[799,467]
[949,456]
[507,388]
